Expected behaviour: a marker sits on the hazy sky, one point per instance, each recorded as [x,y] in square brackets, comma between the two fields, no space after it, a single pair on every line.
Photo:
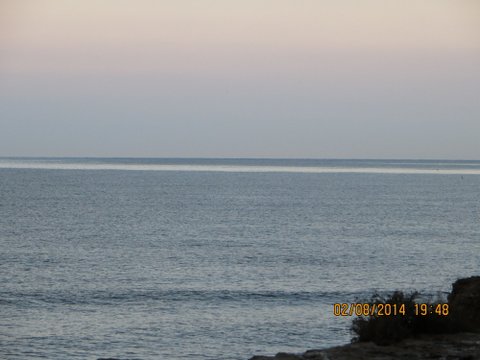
[240,78]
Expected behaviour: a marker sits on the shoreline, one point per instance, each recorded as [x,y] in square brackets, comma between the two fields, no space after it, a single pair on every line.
[459,346]
[457,339]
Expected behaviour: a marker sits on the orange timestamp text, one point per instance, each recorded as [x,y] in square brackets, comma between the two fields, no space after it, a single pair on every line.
[366,309]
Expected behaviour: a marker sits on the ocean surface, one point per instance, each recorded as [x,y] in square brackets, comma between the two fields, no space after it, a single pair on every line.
[219,258]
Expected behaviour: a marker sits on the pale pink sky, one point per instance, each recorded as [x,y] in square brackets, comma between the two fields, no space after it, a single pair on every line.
[281,78]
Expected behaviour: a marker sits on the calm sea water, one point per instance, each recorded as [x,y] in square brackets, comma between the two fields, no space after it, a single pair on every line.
[219,259]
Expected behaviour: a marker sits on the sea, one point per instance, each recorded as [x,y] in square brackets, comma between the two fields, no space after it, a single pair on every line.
[134,258]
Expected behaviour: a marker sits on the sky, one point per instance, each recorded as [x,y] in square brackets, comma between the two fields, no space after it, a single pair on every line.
[240,78]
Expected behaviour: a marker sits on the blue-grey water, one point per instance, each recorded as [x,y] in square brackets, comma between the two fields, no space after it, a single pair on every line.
[219,259]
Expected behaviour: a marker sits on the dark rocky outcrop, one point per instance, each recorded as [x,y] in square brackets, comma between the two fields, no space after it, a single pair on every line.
[464,303]
[463,344]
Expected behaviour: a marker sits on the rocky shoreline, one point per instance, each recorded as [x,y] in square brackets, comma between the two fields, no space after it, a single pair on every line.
[464,302]
[461,346]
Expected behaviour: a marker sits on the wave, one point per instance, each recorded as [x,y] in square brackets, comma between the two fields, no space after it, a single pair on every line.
[46,165]
[98,297]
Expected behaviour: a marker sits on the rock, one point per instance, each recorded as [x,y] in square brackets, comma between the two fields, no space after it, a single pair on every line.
[461,346]
[464,303]
[285,356]
[315,354]
[447,346]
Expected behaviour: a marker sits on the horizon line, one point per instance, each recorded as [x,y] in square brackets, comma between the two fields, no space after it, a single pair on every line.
[234,158]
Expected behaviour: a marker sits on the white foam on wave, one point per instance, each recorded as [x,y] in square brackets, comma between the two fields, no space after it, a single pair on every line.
[230,168]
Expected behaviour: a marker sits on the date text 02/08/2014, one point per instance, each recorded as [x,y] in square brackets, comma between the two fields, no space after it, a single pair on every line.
[366,309]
